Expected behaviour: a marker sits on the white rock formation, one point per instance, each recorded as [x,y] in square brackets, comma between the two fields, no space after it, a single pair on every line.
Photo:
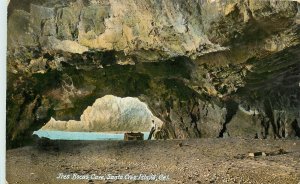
[110,113]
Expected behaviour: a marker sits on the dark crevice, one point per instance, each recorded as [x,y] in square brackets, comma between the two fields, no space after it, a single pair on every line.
[296,127]
[232,108]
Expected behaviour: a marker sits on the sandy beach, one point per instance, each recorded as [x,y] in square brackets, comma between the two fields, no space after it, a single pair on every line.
[161,161]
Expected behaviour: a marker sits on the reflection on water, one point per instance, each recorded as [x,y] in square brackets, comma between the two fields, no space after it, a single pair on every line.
[62,135]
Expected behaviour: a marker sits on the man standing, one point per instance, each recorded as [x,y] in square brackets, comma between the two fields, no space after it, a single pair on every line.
[152,130]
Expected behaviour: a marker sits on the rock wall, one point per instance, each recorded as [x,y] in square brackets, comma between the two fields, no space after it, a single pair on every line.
[151,30]
[194,63]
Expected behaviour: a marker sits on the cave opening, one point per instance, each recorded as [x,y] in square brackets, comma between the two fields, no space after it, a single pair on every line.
[109,118]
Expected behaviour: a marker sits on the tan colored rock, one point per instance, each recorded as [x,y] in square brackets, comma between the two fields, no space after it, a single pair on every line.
[150,30]
[37,65]
[230,8]
[69,46]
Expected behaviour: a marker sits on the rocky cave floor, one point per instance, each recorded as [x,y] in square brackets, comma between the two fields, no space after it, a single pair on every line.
[184,161]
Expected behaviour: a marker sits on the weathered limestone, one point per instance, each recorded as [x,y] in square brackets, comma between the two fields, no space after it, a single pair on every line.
[65,54]
[152,30]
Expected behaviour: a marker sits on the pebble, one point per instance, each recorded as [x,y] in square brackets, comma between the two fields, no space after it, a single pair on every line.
[257,154]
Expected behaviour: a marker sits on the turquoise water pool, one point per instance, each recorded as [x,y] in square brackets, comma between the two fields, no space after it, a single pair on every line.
[62,135]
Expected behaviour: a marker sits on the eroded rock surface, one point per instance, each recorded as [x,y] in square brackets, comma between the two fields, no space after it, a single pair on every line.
[147,29]
[208,58]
